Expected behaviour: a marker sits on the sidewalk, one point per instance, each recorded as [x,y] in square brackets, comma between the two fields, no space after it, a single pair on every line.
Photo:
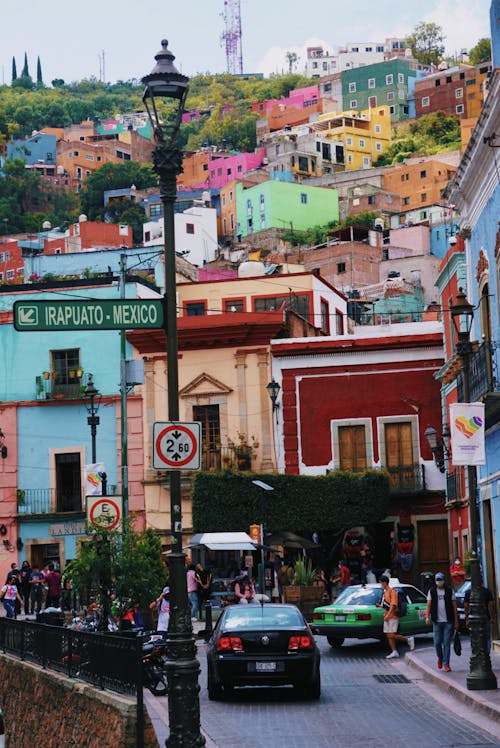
[455,683]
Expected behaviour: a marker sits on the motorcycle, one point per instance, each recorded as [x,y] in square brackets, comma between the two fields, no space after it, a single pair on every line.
[153,665]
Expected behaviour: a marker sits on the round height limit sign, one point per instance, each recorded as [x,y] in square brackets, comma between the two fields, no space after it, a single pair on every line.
[176,446]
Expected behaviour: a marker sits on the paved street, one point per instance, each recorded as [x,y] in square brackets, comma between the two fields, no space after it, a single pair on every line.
[355,709]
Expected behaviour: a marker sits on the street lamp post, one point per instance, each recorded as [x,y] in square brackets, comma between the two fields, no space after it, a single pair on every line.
[481,676]
[91,393]
[164,96]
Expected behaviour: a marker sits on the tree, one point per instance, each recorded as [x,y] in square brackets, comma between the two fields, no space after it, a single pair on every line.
[481,52]
[292,58]
[127,565]
[25,70]
[14,70]
[426,43]
[113,177]
[39,80]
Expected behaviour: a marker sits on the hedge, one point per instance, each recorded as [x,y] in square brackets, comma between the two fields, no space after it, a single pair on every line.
[228,502]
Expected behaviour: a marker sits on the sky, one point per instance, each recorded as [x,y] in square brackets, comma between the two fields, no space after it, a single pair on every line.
[72,38]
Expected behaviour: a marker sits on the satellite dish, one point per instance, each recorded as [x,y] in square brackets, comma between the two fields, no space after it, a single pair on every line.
[82,218]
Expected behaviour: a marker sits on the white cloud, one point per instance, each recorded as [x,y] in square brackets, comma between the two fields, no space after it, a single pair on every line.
[464,23]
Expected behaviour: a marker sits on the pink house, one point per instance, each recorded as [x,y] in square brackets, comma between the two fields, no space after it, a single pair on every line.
[301,98]
[223,170]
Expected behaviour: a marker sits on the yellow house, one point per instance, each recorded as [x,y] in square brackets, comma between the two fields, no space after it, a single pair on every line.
[225,330]
[365,135]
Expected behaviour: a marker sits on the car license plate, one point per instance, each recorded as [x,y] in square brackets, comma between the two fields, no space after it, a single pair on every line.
[265,667]
[340,619]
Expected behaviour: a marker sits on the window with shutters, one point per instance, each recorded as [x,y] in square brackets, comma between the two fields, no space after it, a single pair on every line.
[352,448]
[399,455]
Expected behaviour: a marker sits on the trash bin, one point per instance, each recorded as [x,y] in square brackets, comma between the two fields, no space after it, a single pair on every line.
[426,581]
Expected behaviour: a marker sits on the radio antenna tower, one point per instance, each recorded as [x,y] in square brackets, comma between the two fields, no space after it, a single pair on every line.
[231,36]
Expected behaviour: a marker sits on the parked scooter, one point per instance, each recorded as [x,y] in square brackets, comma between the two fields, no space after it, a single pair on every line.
[153,662]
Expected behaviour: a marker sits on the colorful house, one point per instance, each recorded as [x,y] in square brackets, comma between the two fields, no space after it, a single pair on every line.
[391,83]
[363,401]
[458,91]
[364,134]
[283,205]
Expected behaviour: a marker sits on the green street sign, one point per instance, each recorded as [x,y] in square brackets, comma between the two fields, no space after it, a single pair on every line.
[119,314]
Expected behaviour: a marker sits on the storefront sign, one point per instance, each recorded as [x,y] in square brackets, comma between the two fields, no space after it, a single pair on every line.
[68,528]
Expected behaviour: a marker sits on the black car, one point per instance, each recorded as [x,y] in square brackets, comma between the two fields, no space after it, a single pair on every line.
[460,597]
[262,645]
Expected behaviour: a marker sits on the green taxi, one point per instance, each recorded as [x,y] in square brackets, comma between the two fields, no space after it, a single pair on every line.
[355,614]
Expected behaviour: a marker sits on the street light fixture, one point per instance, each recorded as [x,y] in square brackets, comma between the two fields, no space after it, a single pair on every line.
[164,96]
[438,446]
[91,393]
[481,676]
[273,389]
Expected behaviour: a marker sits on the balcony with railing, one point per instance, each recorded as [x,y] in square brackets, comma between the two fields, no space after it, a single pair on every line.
[484,379]
[454,487]
[47,501]
[406,479]
[48,386]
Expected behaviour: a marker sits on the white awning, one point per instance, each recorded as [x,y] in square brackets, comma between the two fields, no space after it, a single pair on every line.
[224,541]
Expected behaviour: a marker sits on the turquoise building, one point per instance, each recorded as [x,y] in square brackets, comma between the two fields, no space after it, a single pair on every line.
[283,205]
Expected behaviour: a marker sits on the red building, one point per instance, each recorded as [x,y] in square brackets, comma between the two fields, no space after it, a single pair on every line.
[458,91]
[365,401]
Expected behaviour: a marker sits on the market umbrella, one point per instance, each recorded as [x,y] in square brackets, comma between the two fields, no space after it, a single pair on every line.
[290,540]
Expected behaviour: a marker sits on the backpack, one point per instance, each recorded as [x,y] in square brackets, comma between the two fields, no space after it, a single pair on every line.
[402,604]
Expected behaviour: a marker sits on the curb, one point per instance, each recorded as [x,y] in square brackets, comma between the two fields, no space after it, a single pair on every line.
[461,693]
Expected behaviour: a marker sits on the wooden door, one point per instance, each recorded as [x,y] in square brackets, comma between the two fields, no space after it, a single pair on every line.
[433,551]
[352,447]
[399,455]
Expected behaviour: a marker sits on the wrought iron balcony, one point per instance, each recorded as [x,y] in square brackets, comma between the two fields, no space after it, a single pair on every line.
[406,478]
[47,388]
[484,379]
[454,486]
[221,458]
[47,501]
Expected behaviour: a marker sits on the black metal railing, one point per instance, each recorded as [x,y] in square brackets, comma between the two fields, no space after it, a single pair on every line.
[483,370]
[406,478]
[106,661]
[222,457]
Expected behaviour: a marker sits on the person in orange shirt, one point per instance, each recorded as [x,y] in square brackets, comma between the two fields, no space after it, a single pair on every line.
[391,620]
[457,574]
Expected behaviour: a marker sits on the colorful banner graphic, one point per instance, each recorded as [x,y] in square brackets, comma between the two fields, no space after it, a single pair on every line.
[93,478]
[467,433]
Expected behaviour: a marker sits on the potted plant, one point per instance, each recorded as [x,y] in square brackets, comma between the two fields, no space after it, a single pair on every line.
[20,494]
[302,592]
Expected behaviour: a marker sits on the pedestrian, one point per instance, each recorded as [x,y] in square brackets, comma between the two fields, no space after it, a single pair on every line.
[53,582]
[192,588]
[203,580]
[457,574]
[162,605]
[36,592]
[343,576]
[442,611]
[15,575]
[489,610]
[391,621]
[244,589]
[25,585]
[10,595]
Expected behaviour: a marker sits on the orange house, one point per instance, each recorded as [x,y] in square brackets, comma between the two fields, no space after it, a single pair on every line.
[80,159]
[418,184]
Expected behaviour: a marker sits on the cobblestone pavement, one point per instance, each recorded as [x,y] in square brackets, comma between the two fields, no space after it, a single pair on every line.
[354,710]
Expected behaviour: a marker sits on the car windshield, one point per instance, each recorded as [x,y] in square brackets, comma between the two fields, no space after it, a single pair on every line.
[251,617]
[359,596]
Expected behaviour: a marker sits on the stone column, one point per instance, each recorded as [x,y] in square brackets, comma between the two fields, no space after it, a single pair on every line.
[267,463]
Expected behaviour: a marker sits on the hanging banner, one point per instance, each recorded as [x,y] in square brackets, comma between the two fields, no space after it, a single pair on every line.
[467,433]
[93,478]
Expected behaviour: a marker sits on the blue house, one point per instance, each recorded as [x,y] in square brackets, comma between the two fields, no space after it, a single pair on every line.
[476,192]
[39,148]
[44,419]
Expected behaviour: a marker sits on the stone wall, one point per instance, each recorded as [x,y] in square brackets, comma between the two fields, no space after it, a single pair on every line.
[46,709]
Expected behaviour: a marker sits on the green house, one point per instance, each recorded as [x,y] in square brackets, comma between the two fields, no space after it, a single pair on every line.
[284,205]
[391,83]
